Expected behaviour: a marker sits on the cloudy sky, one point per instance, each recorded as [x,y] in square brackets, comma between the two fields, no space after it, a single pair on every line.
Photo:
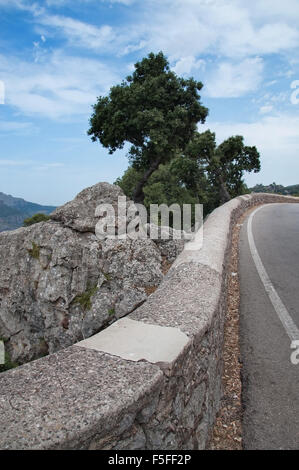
[57,56]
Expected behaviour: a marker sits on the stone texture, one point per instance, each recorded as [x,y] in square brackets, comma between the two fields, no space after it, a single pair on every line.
[169,241]
[72,400]
[79,214]
[137,341]
[85,399]
[59,285]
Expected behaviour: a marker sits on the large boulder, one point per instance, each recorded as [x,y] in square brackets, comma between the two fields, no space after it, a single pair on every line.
[79,214]
[59,283]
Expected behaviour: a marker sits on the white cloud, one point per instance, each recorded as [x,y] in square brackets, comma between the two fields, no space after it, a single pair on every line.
[234,80]
[31,7]
[33,165]
[60,3]
[48,166]
[11,3]
[5,162]
[186,65]
[266,109]
[231,33]
[80,33]
[277,140]
[15,127]
[272,9]
[124,2]
[60,87]
[183,28]
[226,28]
[132,48]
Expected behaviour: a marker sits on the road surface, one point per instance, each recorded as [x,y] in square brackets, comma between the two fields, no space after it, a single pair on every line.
[269,322]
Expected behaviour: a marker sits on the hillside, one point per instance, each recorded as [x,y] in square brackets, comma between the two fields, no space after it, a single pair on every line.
[277,189]
[14,210]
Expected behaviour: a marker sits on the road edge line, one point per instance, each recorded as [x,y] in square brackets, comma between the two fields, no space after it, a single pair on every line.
[279,307]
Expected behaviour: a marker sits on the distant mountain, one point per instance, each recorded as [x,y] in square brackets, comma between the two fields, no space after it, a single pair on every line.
[13,211]
[277,189]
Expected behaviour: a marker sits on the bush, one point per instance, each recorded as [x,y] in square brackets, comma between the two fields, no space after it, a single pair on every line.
[35,219]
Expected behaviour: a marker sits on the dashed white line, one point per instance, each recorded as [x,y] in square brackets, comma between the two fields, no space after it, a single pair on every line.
[279,307]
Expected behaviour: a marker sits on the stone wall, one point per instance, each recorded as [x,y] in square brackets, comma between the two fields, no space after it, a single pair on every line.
[152,380]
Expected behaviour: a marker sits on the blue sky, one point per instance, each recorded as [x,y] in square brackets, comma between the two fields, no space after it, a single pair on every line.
[57,56]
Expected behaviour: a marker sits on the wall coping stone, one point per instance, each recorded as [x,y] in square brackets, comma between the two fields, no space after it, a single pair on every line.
[136,341]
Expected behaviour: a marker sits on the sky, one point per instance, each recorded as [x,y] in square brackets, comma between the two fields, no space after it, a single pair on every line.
[58,56]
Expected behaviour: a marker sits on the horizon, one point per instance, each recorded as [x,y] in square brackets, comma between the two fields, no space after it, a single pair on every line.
[57,57]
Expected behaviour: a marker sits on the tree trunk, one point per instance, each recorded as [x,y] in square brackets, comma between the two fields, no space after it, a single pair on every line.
[223,192]
[138,195]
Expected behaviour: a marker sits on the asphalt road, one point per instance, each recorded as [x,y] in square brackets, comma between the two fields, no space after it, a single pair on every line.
[269,321]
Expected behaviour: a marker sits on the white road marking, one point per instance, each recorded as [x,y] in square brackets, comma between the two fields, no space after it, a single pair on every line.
[279,307]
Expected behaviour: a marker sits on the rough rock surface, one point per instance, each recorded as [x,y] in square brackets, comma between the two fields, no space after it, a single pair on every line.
[60,284]
[169,241]
[79,214]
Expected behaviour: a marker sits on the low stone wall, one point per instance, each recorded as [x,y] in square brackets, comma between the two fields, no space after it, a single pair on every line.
[152,380]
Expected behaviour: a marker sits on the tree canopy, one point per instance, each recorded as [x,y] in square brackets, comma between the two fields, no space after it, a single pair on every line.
[154,110]
[206,173]
[158,113]
[224,164]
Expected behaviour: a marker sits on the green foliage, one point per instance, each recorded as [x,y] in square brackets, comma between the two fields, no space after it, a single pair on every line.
[129,181]
[35,251]
[170,184]
[9,364]
[206,173]
[111,311]
[154,110]
[157,112]
[276,189]
[85,299]
[35,219]
[224,165]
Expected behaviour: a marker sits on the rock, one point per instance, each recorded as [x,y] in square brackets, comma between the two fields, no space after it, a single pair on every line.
[79,214]
[60,284]
[169,248]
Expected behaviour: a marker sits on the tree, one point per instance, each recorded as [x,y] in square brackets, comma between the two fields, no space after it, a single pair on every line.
[225,165]
[180,181]
[154,110]
[35,219]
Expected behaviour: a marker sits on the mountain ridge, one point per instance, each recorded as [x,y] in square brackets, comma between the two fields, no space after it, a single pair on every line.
[291,190]
[13,211]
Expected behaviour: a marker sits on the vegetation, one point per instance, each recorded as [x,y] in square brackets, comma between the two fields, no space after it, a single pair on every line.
[204,174]
[85,299]
[170,161]
[276,189]
[154,110]
[35,251]
[224,164]
[9,364]
[35,219]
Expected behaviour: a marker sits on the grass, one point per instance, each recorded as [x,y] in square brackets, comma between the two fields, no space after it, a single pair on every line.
[35,251]
[85,299]
[9,364]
